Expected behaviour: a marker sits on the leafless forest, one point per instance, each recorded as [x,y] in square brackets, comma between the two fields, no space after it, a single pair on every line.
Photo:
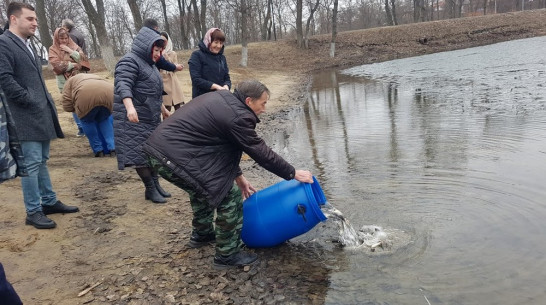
[110,25]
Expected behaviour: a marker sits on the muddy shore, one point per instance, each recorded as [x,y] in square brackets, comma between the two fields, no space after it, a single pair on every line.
[134,251]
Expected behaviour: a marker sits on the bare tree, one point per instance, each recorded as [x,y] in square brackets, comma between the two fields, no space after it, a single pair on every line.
[242,8]
[182,22]
[393,10]
[203,17]
[197,20]
[299,22]
[97,17]
[266,23]
[312,10]
[165,18]
[390,11]
[96,49]
[334,31]
[245,12]
[135,11]
[43,28]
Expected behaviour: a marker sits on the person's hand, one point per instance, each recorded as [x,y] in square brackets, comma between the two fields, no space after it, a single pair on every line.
[218,87]
[246,188]
[132,115]
[226,87]
[179,67]
[66,49]
[166,113]
[303,176]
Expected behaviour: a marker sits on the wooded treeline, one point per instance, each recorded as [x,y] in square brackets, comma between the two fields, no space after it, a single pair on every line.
[110,25]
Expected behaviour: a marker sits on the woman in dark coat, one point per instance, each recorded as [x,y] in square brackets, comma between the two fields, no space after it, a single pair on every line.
[138,106]
[208,66]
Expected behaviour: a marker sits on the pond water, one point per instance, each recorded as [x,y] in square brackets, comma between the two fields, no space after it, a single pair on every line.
[448,149]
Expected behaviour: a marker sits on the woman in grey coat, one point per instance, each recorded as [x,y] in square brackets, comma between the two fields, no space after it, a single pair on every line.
[138,106]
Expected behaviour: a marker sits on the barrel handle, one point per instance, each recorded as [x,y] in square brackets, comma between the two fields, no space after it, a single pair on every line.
[302,210]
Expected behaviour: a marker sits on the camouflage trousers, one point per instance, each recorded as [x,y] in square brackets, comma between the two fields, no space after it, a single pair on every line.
[229,213]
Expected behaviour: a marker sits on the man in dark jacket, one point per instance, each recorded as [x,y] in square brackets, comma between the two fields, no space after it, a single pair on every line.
[34,114]
[199,149]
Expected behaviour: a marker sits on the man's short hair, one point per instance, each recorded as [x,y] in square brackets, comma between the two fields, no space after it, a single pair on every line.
[16,8]
[252,88]
[150,23]
[68,23]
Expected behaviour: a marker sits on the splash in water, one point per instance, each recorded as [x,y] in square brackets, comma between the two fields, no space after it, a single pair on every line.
[370,236]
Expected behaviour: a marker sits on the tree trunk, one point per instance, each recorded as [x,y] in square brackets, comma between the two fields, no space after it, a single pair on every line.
[308,23]
[182,10]
[334,31]
[196,19]
[393,11]
[97,17]
[135,11]
[203,17]
[299,22]
[96,48]
[266,24]
[388,12]
[165,18]
[244,33]
[43,28]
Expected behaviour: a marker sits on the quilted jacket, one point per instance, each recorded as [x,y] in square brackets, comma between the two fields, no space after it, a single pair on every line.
[137,77]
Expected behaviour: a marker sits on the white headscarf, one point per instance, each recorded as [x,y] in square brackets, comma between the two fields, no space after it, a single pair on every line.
[169,46]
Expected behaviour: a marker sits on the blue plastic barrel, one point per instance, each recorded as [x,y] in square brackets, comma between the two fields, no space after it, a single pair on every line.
[281,212]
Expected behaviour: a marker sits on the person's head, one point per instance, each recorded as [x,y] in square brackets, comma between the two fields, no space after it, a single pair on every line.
[22,19]
[67,24]
[214,40]
[157,48]
[168,43]
[151,23]
[61,35]
[254,94]
[164,35]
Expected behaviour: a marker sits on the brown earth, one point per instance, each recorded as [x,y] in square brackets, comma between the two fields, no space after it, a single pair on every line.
[134,250]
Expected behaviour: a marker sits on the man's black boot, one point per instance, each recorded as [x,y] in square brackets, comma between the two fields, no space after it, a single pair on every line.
[238,259]
[159,188]
[59,207]
[198,241]
[151,192]
[40,221]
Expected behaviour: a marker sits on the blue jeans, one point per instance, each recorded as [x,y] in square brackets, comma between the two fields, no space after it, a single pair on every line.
[78,123]
[37,188]
[98,127]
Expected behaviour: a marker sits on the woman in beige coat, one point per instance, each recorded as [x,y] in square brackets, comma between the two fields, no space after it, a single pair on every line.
[171,85]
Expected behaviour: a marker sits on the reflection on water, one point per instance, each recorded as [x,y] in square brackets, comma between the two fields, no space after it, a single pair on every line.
[449,148]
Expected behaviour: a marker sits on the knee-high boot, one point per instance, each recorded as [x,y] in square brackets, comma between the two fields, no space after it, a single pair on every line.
[159,188]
